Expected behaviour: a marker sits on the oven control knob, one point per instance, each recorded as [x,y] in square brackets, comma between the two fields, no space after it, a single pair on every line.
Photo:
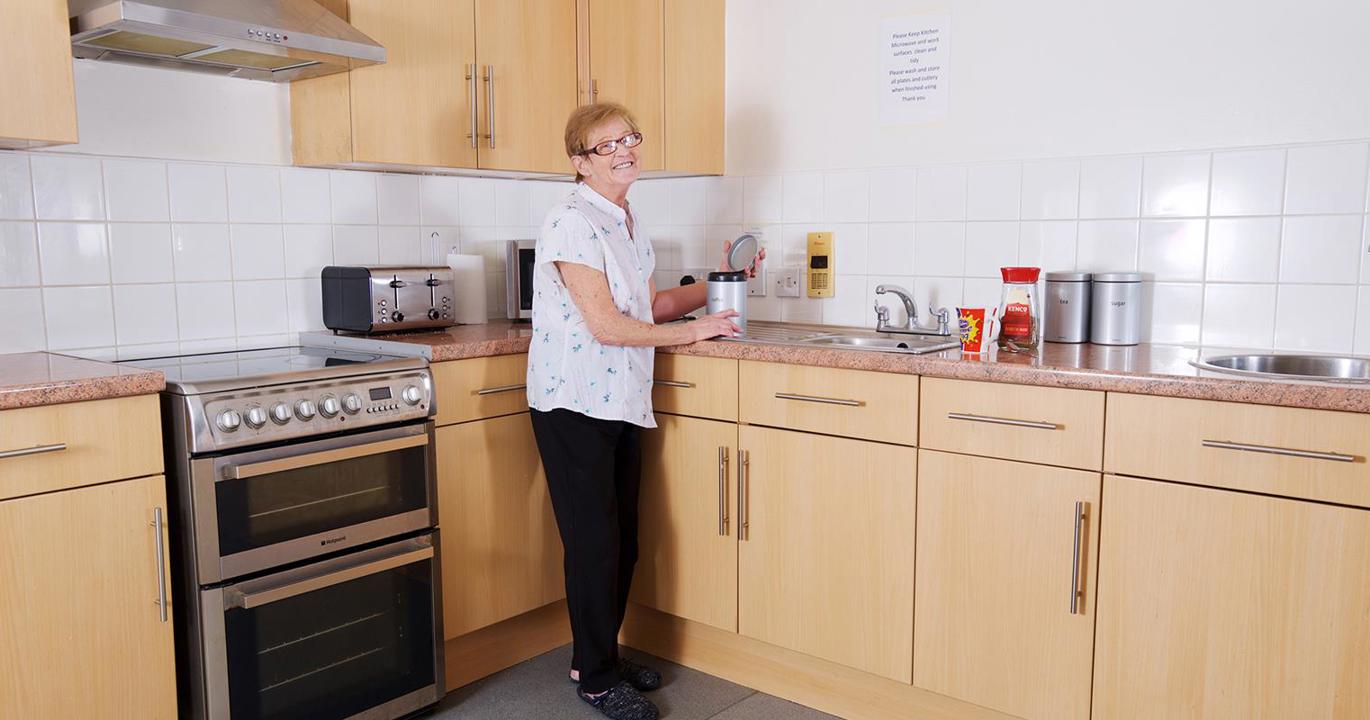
[352,404]
[280,413]
[328,405]
[230,420]
[256,416]
[411,395]
[304,409]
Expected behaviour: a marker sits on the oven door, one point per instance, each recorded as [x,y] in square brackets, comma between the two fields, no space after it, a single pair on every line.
[265,508]
[355,636]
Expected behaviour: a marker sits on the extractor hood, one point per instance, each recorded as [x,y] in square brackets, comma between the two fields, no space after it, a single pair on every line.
[276,40]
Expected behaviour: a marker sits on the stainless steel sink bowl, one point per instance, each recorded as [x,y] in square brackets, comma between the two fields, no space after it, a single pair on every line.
[1329,368]
[767,333]
[916,344]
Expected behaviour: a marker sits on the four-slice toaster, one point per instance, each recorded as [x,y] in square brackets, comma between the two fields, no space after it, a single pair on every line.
[387,298]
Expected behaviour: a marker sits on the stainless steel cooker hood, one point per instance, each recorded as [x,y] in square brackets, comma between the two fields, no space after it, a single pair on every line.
[276,40]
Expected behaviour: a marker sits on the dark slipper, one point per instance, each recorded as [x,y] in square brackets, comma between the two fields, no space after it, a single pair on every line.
[621,702]
[639,676]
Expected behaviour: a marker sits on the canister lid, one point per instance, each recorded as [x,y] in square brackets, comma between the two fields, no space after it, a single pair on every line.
[736,276]
[1123,277]
[1020,274]
[1067,276]
[743,252]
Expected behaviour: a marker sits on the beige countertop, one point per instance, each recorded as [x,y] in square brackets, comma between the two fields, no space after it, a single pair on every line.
[1144,369]
[39,378]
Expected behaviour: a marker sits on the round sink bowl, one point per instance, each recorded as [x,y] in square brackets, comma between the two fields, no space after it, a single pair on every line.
[1330,368]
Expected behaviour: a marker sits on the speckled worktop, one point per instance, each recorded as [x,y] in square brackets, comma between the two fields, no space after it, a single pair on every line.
[39,378]
[1146,369]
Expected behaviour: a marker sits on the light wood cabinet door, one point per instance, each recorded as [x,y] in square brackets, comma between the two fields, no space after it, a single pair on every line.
[694,51]
[415,109]
[481,387]
[526,50]
[626,67]
[825,554]
[37,93]
[687,560]
[1218,604]
[997,566]
[81,630]
[693,385]
[501,555]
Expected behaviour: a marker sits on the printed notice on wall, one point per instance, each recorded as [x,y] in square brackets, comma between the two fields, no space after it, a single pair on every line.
[914,54]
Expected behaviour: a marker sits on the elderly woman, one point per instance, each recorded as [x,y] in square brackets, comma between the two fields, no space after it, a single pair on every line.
[595,315]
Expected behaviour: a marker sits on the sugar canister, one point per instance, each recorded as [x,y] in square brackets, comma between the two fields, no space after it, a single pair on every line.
[1067,307]
[1116,309]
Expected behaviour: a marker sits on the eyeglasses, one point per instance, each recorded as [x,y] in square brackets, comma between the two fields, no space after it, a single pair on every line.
[609,147]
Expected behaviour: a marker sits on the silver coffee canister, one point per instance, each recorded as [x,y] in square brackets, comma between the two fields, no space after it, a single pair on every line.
[1116,309]
[1067,307]
[728,291]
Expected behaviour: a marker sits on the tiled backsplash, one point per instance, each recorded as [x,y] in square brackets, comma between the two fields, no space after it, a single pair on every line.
[1244,248]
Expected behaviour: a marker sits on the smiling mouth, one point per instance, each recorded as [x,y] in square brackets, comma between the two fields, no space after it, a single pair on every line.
[624,165]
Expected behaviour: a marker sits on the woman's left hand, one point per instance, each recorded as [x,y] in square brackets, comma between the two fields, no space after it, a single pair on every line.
[751,269]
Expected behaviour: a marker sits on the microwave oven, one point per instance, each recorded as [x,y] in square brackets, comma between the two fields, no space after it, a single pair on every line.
[518,281]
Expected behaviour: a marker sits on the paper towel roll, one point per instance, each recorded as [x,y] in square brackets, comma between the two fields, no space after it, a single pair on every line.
[468,275]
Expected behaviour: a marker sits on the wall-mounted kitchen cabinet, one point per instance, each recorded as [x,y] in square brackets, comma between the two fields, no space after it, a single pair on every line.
[37,93]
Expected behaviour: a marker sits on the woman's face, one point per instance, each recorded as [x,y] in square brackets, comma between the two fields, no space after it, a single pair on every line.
[617,169]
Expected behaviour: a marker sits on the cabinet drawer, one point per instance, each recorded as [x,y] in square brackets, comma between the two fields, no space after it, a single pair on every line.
[1311,454]
[853,403]
[1052,426]
[480,388]
[64,446]
[697,386]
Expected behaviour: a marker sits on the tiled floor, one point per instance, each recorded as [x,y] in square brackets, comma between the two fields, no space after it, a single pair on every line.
[538,689]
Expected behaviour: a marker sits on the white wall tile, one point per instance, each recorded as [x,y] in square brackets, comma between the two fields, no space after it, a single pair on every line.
[258,252]
[1051,190]
[933,293]
[25,329]
[1244,250]
[893,195]
[848,306]
[1362,346]
[803,197]
[846,197]
[1110,188]
[260,307]
[990,246]
[440,200]
[18,255]
[650,201]
[304,302]
[511,203]
[67,188]
[477,202]
[141,253]
[201,252]
[204,311]
[1176,311]
[1048,245]
[1175,185]
[1321,249]
[762,199]
[355,245]
[305,196]
[353,195]
[723,197]
[137,191]
[890,249]
[1172,250]
[1240,316]
[16,187]
[850,243]
[543,195]
[694,250]
[199,193]
[1107,246]
[980,293]
[940,249]
[1314,317]
[73,253]
[688,199]
[145,314]
[801,310]
[209,345]
[1248,183]
[275,340]
[397,199]
[1327,179]
[308,248]
[438,241]
[401,246]
[993,192]
[78,317]
[793,247]
[254,194]
[940,193]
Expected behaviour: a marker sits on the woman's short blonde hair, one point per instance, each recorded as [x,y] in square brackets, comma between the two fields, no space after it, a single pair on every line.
[588,117]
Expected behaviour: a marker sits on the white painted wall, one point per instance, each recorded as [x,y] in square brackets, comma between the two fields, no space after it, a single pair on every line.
[1046,78]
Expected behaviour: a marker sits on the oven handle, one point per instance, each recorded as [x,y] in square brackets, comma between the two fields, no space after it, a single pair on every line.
[267,467]
[247,601]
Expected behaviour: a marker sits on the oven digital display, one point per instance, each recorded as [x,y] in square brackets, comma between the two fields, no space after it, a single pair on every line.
[380,393]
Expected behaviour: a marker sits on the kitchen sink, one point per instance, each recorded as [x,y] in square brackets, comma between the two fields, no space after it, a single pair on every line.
[886,343]
[844,338]
[1330,368]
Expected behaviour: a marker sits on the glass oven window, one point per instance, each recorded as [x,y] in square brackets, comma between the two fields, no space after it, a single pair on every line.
[267,509]
[333,652]
[526,266]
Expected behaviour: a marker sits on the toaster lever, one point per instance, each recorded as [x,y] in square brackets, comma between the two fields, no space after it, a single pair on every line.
[432,282]
[397,283]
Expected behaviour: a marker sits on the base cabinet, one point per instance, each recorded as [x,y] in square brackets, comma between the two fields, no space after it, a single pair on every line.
[81,633]
[999,557]
[1217,604]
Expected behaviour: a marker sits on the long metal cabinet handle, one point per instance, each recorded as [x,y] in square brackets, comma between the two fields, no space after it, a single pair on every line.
[266,597]
[1310,454]
[157,526]
[674,384]
[1034,424]
[242,472]
[35,450]
[472,81]
[817,399]
[722,490]
[1075,560]
[490,104]
[500,389]
[744,515]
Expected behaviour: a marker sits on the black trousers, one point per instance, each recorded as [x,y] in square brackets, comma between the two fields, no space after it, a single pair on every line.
[594,470]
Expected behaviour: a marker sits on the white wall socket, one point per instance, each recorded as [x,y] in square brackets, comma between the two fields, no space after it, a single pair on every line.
[786,281]
[756,287]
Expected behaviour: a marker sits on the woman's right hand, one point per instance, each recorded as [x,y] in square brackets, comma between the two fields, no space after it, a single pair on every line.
[712,326]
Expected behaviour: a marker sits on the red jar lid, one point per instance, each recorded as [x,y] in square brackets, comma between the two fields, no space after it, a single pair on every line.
[1020,274]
